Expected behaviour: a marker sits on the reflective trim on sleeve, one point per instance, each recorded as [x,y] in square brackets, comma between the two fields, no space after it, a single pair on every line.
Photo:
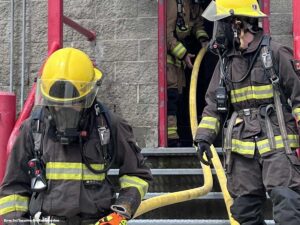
[243,147]
[263,145]
[296,113]
[200,34]
[173,61]
[133,181]
[251,92]
[72,171]
[172,130]
[179,50]
[13,203]
[211,123]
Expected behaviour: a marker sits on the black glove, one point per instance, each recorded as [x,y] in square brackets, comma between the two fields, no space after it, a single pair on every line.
[203,146]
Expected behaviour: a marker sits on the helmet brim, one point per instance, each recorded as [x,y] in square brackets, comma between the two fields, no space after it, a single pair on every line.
[215,13]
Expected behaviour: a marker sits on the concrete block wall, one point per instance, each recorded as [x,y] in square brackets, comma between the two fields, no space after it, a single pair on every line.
[125,50]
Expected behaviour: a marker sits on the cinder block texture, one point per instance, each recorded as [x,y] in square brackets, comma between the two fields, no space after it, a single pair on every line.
[125,50]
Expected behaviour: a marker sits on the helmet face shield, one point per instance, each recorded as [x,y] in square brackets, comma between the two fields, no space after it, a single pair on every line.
[215,13]
[66,93]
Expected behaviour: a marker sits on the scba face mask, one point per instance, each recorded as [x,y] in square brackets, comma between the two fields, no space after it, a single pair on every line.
[223,36]
[66,120]
[229,31]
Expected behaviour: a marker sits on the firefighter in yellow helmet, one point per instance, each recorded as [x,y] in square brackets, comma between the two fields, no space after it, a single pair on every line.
[184,23]
[256,88]
[57,170]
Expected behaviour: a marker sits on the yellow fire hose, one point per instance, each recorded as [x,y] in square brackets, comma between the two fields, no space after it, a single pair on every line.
[194,124]
[180,196]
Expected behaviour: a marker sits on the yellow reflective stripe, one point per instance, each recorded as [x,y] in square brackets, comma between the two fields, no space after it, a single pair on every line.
[72,171]
[173,61]
[12,203]
[133,181]
[208,122]
[243,147]
[172,130]
[179,50]
[201,33]
[296,113]
[251,92]
[263,145]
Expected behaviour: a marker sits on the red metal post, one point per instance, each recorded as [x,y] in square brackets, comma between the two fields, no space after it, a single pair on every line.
[7,121]
[162,62]
[91,35]
[55,23]
[296,33]
[296,28]
[266,21]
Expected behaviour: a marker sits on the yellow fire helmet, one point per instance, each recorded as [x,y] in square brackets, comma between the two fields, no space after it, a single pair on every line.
[69,78]
[220,9]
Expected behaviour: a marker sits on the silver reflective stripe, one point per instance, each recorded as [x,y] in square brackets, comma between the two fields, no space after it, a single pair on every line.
[264,146]
[251,92]
[208,122]
[243,147]
[12,203]
[72,171]
[133,181]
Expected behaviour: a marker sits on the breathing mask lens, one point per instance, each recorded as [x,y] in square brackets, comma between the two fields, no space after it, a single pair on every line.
[66,120]
[222,36]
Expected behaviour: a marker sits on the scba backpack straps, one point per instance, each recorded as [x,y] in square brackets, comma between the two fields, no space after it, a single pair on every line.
[106,136]
[36,165]
[267,61]
[180,17]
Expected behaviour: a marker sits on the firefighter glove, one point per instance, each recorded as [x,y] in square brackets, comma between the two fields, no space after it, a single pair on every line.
[204,147]
[112,219]
[188,60]
[204,41]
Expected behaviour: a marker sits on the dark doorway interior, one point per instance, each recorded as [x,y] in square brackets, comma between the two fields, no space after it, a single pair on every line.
[205,73]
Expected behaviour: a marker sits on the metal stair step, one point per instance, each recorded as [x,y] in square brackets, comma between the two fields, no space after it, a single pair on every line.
[162,151]
[173,171]
[184,222]
[211,195]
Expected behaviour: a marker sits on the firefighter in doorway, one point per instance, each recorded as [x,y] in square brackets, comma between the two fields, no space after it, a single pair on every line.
[256,86]
[57,170]
[183,20]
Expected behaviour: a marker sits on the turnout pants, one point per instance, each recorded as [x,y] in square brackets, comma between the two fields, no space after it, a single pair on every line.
[175,83]
[249,179]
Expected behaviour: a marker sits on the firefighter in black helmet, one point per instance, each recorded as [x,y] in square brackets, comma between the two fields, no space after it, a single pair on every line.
[57,170]
[256,86]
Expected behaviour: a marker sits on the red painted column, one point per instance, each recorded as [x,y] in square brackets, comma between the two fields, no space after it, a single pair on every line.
[7,122]
[162,83]
[91,35]
[55,23]
[266,21]
[296,29]
[296,33]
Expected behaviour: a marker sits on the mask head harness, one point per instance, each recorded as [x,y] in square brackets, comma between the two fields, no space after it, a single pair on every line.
[228,32]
